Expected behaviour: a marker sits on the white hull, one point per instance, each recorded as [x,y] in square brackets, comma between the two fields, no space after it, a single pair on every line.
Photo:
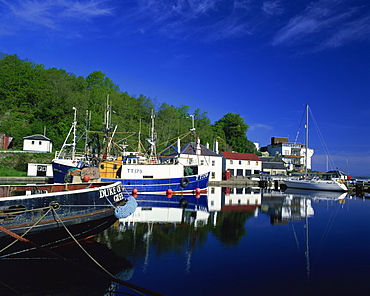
[316,185]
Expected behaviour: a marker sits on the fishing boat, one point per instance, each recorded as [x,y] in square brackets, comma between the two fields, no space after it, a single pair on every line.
[138,172]
[43,216]
[330,183]
[67,157]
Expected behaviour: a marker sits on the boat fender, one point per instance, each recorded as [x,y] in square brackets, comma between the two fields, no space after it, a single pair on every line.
[126,210]
[183,203]
[184,182]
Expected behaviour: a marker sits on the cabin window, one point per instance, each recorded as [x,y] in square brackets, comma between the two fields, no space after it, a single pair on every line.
[240,162]
[147,177]
[33,142]
[114,166]
[213,175]
[202,162]
[102,166]
[213,163]
[40,143]
[212,190]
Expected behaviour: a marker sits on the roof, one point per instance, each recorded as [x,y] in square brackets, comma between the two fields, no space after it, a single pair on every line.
[37,137]
[240,156]
[191,149]
[273,165]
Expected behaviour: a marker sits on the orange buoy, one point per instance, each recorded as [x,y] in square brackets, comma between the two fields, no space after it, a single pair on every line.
[134,195]
[134,191]
[86,178]
[197,195]
[197,190]
[169,191]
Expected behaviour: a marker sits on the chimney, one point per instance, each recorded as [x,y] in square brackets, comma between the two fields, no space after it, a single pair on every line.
[198,147]
[216,147]
[178,145]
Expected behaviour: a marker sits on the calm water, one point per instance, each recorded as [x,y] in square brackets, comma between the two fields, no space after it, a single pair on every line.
[238,242]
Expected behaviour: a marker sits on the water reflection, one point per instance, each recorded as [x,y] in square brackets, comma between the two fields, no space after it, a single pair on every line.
[243,236]
[41,273]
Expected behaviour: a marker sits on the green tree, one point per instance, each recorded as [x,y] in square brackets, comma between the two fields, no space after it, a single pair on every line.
[232,128]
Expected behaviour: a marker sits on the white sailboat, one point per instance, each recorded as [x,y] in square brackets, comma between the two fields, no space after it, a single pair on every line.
[330,184]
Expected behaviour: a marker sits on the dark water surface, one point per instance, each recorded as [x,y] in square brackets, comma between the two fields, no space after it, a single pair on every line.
[234,242]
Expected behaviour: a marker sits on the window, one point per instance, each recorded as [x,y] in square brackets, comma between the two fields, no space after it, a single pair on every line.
[33,142]
[239,172]
[248,172]
[40,143]
[212,190]
[240,162]
[256,162]
[231,161]
[249,162]
[213,163]
[202,162]
[212,175]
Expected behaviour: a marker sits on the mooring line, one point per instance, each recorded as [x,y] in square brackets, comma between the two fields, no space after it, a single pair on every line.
[133,287]
[7,231]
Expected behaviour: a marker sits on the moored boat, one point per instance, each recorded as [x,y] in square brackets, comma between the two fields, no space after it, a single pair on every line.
[34,216]
[331,182]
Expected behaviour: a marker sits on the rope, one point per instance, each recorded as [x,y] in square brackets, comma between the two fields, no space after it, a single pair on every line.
[111,276]
[114,278]
[9,232]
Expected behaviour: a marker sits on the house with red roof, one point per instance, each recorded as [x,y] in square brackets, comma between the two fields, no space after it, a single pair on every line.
[241,165]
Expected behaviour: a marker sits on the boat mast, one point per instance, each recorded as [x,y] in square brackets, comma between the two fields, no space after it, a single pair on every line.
[306,148]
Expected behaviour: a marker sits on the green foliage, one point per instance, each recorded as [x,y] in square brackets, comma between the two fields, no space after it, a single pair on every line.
[232,129]
[34,99]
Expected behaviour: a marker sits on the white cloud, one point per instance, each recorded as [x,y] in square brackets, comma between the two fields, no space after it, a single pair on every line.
[328,23]
[258,126]
[51,14]
[272,8]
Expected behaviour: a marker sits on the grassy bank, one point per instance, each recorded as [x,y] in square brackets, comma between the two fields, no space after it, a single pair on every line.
[15,164]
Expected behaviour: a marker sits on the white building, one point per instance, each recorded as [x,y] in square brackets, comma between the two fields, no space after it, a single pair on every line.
[37,143]
[207,160]
[293,154]
[241,164]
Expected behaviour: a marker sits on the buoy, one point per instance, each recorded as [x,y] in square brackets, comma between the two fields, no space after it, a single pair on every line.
[169,195]
[134,195]
[169,192]
[197,195]
[197,190]
[134,191]
[86,178]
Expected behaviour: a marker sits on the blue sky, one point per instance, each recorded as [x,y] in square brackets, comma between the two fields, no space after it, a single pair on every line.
[261,59]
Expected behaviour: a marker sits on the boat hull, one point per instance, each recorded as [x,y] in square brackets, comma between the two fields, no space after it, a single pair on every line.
[316,185]
[43,218]
[189,184]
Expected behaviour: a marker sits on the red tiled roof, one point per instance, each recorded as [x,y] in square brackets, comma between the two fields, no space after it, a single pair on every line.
[240,156]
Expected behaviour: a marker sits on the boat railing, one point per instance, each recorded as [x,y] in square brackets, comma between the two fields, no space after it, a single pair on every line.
[68,155]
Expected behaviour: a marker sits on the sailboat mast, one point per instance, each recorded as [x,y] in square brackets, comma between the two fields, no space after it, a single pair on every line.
[74,133]
[306,148]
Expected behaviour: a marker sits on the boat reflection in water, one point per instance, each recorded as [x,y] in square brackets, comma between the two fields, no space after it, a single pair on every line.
[44,274]
[160,208]
[233,235]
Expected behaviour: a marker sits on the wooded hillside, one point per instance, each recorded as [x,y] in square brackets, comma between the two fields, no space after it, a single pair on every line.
[36,100]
